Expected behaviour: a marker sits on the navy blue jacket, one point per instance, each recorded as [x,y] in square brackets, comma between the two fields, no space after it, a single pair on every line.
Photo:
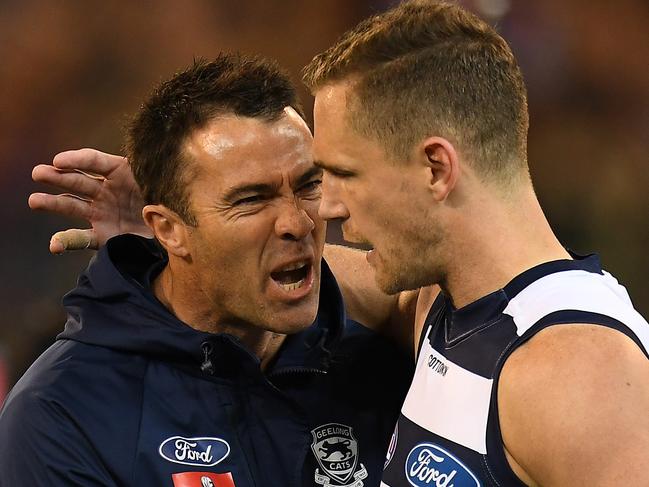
[130,395]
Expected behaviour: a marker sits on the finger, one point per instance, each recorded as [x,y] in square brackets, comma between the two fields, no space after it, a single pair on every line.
[87,174]
[73,239]
[62,204]
[68,181]
[89,160]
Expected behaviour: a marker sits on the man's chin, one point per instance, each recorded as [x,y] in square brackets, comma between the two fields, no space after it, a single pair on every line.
[403,280]
[294,324]
[389,287]
[392,282]
[293,318]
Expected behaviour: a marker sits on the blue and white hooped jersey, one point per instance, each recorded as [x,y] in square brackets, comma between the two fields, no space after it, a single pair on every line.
[448,433]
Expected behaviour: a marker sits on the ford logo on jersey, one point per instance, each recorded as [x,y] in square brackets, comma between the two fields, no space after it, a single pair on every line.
[204,452]
[429,465]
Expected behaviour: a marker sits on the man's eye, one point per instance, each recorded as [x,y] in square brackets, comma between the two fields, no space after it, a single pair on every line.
[249,200]
[312,185]
[340,173]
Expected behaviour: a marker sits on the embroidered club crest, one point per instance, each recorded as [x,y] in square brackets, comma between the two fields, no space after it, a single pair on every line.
[336,450]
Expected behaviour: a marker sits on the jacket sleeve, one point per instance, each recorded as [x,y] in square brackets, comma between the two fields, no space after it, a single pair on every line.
[41,444]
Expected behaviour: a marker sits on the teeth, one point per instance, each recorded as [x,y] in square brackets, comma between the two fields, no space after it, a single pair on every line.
[292,286]
[292,267]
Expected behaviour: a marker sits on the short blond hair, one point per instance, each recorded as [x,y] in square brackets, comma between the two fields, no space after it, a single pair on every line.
[427,68]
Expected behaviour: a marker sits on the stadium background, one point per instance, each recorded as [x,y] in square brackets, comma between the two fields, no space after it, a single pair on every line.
[72,71]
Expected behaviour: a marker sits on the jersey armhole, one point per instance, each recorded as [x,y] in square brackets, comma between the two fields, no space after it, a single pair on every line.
[500,471]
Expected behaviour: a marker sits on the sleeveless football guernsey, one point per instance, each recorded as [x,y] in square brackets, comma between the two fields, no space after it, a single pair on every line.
[448,432]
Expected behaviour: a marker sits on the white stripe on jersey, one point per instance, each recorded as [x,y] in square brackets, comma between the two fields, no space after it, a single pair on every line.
[580,291]
[449,400]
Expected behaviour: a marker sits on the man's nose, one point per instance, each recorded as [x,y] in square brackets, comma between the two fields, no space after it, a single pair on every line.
[331,205]
[293,222]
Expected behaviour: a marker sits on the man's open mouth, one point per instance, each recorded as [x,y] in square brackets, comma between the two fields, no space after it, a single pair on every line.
[292,276]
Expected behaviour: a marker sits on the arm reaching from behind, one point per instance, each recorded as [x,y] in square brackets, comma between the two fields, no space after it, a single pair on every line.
[399,317]
[99,188]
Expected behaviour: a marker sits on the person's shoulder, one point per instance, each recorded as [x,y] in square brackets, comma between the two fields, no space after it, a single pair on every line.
[576,390]
[72,394]
[566,354]
[38,401]
[74,377]
[60,418]
[48,373]
[68,360]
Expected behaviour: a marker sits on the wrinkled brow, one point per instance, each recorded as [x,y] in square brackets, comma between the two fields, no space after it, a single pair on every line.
[265,188]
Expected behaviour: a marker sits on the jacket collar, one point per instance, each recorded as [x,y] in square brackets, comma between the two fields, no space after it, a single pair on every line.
[113,306]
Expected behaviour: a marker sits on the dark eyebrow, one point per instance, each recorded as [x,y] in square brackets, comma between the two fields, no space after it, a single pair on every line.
[314,171]
[245,190]
[322,165]
[260,188]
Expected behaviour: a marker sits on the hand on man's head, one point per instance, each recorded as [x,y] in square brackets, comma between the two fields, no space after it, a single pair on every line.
[97,187]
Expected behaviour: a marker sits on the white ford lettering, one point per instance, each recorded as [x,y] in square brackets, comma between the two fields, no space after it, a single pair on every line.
[429,465]
[423,472]
[184,450]
[204,452]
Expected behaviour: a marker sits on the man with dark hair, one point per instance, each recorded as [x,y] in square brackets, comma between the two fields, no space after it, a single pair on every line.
[209,91]
[221,354]
[532,366]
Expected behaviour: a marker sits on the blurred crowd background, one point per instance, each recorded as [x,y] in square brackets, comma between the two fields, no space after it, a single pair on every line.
[72,71]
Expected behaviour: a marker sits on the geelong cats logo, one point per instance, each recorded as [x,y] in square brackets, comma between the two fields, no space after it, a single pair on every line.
[336,450]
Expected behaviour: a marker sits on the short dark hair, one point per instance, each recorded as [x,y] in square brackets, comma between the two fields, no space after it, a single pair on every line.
[429,67]
[230,84]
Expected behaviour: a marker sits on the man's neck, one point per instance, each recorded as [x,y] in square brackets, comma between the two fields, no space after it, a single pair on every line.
[497,242]
[178,295]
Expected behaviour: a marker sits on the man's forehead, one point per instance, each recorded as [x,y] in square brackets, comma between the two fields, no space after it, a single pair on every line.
[330,92]
[332,99]
[232,150]
[331,130]
[227,134]
[291,114]
[330,112]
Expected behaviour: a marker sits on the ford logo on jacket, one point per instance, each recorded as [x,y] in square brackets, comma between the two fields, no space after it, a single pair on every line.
[194,451]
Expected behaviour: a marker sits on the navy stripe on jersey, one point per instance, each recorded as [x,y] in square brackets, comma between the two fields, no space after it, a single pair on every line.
[572,316]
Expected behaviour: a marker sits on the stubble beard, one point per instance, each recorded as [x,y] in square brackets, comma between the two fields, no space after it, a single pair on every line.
[398,274]
[420,266]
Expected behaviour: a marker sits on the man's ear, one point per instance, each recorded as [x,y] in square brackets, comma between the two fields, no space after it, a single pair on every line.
[443,165]
[168,228]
